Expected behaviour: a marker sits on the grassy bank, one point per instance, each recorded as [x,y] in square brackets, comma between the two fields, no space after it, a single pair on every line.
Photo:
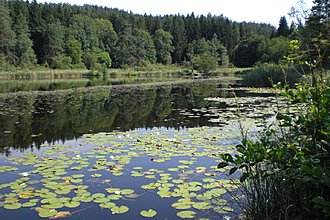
[152,70]
[266,75]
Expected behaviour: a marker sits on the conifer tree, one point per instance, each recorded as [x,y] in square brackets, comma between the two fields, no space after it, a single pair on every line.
[283,28]
[7,36]
[24,54]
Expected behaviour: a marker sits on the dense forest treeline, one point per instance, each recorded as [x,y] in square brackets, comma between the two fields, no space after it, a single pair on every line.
[63,36]
[70,36]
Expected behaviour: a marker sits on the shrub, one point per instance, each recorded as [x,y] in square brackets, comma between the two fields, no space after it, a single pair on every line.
[285,174]
[205,62]
[265,75]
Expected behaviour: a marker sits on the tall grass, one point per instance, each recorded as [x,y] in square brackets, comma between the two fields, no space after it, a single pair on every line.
[265,75]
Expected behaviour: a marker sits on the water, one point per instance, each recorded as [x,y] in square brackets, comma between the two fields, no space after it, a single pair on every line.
[119,132]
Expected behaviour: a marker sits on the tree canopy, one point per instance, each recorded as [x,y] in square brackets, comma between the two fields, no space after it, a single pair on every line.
[69,36]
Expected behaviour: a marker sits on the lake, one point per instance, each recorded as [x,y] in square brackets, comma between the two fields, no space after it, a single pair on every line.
[130,151]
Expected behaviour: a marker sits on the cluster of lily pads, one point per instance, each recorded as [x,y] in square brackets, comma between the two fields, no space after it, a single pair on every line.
[56,182]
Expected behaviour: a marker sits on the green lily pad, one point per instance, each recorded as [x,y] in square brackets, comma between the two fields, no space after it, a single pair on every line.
[12,206]
[101,200]
[148,213]
[201,205]
[119,209]
[107,205]
[181,205]
[186,214]
[114,197]
[126,191]
[72,204]
[46,213]
[96,175]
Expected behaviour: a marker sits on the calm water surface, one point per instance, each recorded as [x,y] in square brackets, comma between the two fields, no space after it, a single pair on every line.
[142,128]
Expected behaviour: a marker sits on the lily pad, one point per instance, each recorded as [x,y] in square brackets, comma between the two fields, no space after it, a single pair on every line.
[119,209]
[201,205]
[126,191]
[72,204]
[45,212]
[186,214]
[63,214]
[107,205]
[148,213]
[12,206]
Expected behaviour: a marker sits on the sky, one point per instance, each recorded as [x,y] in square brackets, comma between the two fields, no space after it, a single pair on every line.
[260,11]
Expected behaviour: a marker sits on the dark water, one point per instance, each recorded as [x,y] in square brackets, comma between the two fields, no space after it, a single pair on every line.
[31,120]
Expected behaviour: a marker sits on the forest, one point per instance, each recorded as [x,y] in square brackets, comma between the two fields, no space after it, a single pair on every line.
[63,36]
[278,166]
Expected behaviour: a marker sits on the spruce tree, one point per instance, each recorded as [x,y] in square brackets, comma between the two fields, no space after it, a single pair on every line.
[24,54]
[7,36]
[283,28]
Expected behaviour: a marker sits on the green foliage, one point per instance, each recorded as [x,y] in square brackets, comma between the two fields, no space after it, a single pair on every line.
[275,49]
[85,30]
[107,35]
[125,37]
[213,47]
[7,35]
[104,59]
[91,60]
[135,48]
[23,49]
[164,46]
[247,52]
[283,28]
[54,41]
[315,34]
[288,167]
[285,172]
[205,62]
[266,75]
[73,50]
[61,62]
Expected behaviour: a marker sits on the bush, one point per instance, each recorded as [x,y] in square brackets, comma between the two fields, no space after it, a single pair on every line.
[61,62]
[205,62]
[265,75]
[286,173]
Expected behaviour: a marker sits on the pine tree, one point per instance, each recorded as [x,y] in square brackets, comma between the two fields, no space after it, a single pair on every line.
[24,53]
[318,32]
[53,41]
[179,39]
[7,36]
[283,28]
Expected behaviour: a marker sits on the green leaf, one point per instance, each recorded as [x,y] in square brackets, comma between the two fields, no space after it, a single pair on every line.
[232,170]
[201,205]
[222,165]
[148,213]
[126,191]
[107,205]
[13,206]
[72,204]
[186,214]
[119,209]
